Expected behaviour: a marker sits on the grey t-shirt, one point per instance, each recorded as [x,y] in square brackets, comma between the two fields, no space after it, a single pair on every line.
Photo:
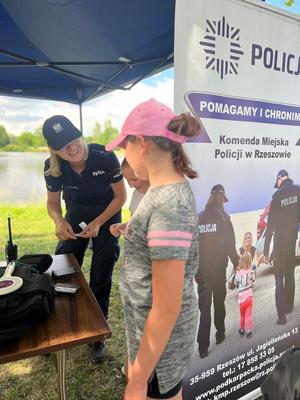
[164,227]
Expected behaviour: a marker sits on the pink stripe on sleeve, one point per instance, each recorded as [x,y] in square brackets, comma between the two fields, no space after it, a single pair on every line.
[182,234]
[169,243]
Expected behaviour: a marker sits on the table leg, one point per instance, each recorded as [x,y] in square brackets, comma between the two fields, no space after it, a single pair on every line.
[61,372]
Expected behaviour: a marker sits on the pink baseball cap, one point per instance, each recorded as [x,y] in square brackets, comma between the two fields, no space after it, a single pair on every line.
[150,118]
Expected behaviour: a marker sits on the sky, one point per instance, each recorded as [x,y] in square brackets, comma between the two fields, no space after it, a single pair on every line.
[19,115]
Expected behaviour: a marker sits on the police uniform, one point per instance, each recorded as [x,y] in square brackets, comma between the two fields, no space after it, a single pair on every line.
[86,196]
[283,220]
[216,243]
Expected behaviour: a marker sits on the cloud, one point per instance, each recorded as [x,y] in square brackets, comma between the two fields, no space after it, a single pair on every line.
[19,115]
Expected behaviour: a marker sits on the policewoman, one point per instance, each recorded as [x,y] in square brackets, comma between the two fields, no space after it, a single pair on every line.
[89,180]
[216,244]
[283,220]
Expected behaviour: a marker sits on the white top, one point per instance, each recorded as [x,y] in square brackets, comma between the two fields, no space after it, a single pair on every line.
[135,200]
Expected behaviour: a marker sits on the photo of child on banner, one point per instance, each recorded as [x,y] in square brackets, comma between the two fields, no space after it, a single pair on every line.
[244,280]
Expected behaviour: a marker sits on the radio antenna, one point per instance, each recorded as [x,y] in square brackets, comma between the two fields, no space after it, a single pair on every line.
[9,231]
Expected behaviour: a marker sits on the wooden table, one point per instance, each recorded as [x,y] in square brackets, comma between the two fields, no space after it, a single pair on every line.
[76,319]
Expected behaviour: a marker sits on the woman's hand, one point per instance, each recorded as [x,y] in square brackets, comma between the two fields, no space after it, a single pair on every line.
[117,229]
[135,391]
[64,230]
[91,230]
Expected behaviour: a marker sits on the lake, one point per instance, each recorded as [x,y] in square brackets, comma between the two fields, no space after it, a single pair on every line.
[22,178]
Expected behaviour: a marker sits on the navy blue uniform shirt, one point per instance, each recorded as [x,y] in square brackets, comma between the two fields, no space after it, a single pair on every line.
[216,243]
[93,185]
[283,219]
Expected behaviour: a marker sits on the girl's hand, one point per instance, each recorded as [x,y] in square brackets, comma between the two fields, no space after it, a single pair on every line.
[91,230]
[260,260]
[135,391]
[117,229]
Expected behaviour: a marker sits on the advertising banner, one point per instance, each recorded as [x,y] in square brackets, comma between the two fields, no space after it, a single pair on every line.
[237,68]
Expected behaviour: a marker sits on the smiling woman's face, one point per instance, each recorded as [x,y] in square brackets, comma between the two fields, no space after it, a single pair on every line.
[73,152]
[248,239]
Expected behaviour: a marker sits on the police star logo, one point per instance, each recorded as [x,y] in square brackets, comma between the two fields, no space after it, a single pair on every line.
[57,127]
[222,47]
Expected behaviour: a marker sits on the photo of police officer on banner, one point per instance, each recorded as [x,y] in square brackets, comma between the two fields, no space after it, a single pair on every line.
[216,244]
[283,220]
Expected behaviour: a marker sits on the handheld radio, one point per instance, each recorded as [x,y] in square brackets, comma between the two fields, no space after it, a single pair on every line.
[11,250]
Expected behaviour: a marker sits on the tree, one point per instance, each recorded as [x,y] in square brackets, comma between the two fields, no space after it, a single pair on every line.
[290,3]
[95,138]
[108,134]
[26,139]
[4,137]
[104,136]
[12,139]
[39,141]
[31,139]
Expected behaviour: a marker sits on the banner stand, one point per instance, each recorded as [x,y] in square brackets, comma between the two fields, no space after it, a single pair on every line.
[237,68]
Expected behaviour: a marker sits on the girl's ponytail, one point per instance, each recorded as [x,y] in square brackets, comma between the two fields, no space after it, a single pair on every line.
[186,125]
[182,162]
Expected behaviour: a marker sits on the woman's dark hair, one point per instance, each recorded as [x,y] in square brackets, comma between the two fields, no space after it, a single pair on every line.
[186,125]
[215,200]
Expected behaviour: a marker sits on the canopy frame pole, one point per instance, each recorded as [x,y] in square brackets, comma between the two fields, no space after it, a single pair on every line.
[94,94]
[152,69]
[130,65]
[80,117]
[79,92]
[70,74]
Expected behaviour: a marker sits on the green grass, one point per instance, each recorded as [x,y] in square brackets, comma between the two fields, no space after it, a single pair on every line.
[35,378]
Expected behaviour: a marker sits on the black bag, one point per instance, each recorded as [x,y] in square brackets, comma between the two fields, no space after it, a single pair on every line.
[38,262]
[22,309]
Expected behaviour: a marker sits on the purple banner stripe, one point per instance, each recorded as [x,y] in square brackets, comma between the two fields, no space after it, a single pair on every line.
[238,109]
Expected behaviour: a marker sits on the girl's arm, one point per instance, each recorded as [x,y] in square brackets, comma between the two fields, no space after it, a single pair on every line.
[167,288]
[118,229]
[237,279]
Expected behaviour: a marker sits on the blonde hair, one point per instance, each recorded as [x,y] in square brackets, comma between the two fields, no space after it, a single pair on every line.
[246,260]
[55,161]
[247,234]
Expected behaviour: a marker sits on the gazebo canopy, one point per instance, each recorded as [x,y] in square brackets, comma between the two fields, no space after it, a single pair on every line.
[76,50]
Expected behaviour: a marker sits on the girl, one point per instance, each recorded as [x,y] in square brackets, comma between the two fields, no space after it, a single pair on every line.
[244,280]
[160,254]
